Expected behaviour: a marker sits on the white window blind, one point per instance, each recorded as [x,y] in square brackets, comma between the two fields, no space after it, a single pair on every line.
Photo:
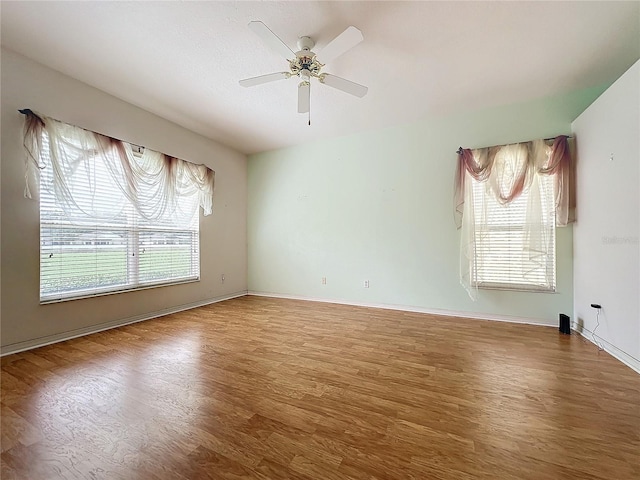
[504,256]
[104,252]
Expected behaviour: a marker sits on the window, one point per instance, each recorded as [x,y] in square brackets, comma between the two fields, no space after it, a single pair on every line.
[112,217]
[508,201]
[84,255]
[505,258]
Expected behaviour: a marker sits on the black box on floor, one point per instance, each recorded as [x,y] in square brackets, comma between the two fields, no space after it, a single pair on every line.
[565,324]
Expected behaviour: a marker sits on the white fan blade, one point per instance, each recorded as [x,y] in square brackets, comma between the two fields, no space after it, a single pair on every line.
[304,97]
[271,77]
[339,45]
[271,39]
[343,84]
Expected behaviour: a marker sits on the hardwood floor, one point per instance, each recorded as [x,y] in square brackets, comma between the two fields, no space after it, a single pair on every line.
[280,389]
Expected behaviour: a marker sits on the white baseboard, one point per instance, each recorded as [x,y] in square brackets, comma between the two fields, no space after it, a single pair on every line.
[61,337]
[409,308]
[614,351]
[611,349]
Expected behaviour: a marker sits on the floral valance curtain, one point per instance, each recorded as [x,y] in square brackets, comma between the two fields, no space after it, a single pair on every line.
[535,157]
[155,184]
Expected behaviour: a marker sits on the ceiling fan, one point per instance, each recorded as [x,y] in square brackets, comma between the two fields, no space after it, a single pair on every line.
[305,64]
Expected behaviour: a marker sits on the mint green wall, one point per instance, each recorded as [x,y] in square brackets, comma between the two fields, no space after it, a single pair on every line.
[377,206]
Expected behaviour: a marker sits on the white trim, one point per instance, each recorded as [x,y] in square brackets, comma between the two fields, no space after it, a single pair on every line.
[614,351]
[80,332]
[409,308]
[611,349]
[101,293]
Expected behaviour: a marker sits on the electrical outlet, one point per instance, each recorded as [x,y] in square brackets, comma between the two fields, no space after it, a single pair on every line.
[366,284]
[222,278]
[324,280]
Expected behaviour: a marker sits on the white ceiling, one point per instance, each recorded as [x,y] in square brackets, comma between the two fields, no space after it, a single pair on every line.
[182,60]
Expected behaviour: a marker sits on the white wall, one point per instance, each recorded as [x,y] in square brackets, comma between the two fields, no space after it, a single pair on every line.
[378,206]
[25,322]
[606,235]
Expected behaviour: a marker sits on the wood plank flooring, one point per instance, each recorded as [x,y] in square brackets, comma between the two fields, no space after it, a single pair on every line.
[261,388]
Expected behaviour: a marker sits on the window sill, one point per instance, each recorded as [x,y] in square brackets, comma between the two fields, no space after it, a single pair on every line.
[516,288]
[49,300]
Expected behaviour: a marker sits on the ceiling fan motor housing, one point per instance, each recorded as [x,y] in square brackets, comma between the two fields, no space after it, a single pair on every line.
[305,59]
